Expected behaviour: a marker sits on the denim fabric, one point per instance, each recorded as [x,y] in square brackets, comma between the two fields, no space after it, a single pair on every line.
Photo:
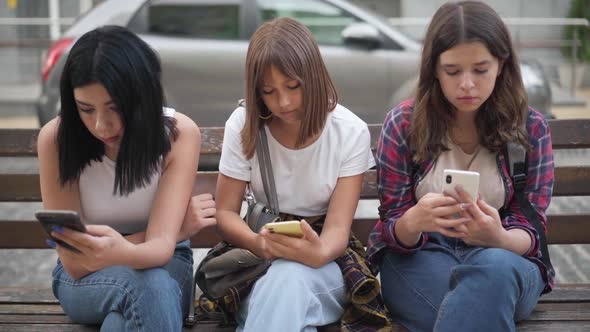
[294,297]
[124,299]
[451,286]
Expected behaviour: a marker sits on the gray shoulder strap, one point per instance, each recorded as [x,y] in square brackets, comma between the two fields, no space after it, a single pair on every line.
[268,180]
[516,158]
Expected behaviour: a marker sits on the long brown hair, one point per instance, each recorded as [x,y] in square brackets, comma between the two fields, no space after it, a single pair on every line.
[502,117]
[291,48]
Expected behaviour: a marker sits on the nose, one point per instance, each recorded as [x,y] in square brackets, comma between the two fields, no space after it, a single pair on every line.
[103,122]
[466,81]
[284,100]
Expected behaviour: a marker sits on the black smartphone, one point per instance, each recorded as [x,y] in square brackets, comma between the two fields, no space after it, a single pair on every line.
[62,218]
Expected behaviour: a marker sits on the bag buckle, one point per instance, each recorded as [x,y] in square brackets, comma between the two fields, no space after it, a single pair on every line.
[190,319]
[249,198]
[519,181]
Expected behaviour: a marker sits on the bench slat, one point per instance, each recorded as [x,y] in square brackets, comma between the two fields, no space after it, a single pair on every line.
[565,134]
[569,181]
[23,142]
[29,327]
[46,328]
[28,234]
[552,314]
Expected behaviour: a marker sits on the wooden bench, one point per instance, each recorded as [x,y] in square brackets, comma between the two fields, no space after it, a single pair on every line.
[567,308]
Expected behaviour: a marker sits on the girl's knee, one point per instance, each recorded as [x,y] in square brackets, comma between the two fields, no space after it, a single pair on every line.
[159,281]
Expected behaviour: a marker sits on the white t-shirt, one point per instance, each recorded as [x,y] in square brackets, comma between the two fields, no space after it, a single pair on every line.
[304,178]
[126,214]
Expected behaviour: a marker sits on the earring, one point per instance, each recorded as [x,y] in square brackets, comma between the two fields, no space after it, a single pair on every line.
[265,117]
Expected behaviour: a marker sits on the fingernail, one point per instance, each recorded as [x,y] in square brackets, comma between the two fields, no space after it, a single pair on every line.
[50,243]
[465,206]
[58,229]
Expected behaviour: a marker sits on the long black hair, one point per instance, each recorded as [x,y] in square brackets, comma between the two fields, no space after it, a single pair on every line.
[130,71]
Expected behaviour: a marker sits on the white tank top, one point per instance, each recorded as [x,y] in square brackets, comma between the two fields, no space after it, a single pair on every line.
[126,214]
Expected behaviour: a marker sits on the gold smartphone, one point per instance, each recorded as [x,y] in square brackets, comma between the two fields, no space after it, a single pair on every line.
[289,228]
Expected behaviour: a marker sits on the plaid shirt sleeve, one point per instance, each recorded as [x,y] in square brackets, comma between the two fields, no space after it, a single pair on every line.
[395,181]
[539,186]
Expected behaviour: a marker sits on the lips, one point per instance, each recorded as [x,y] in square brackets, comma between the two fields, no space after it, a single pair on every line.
[110,140]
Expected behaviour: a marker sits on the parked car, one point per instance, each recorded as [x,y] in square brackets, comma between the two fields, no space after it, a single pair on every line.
[202,45]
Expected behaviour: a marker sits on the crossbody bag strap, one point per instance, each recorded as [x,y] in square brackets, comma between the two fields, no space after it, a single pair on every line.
[268,180]
[517,161]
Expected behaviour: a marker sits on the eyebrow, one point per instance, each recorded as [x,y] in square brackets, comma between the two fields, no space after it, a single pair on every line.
[110,102]
[450,65]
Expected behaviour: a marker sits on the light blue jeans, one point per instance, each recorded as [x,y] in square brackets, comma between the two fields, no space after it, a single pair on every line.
[294,297]
[124,299]
[450,286]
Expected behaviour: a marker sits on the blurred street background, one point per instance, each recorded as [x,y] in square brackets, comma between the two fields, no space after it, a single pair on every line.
[28,28]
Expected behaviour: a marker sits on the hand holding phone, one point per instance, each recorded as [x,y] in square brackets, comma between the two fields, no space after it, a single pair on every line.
[289,228]
[62,218]
[467,179]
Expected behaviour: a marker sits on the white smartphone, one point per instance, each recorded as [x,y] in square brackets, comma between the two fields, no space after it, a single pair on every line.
[290,228]
[467,179]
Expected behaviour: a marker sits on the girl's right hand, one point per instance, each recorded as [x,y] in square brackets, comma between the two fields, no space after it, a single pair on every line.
[437,213]
[68,261]
[262,248]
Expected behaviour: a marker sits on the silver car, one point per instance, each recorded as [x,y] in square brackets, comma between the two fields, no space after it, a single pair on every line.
[202,45]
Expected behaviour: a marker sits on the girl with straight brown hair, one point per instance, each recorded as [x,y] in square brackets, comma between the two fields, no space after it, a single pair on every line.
[461,263]
[319,151]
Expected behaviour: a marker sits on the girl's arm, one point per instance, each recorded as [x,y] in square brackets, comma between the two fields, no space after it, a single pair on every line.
[169,206]
[200,214]
[102,246]
[336,229]
[53,195]
[229,196]
[314,250]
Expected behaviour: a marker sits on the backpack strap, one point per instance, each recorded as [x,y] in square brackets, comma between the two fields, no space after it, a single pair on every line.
[517,162]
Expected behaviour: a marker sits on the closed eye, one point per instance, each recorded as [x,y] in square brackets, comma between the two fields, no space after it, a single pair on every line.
[85,110]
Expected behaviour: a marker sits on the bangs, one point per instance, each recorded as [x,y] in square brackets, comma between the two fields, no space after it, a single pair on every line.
[285,62]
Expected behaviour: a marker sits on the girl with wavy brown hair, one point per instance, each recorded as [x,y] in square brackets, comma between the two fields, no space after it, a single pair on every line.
[319,151]
[461,263]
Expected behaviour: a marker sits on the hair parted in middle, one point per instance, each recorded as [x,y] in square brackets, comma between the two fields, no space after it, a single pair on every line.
[502,117]
[290,47]
[130,71]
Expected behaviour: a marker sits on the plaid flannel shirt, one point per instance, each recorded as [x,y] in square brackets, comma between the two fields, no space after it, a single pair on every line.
[398,177]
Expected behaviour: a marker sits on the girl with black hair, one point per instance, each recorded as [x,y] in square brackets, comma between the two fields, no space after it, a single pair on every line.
[127,165]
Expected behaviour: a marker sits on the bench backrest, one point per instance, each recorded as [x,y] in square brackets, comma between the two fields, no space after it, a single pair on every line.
[563,228]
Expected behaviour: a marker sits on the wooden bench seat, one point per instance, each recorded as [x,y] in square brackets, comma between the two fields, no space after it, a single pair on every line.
[35,309]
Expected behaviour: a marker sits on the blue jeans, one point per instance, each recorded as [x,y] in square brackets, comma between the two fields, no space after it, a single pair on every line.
[451,286]
[294,297]
[124,299]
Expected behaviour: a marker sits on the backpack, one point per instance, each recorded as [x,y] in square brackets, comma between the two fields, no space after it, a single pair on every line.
[517,162]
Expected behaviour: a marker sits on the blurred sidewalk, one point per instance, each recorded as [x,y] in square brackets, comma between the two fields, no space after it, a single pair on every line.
[574,110]
[17,105]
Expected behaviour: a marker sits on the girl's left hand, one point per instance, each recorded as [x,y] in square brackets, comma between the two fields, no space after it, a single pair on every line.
[306,250]
[101,247]
[485,229]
